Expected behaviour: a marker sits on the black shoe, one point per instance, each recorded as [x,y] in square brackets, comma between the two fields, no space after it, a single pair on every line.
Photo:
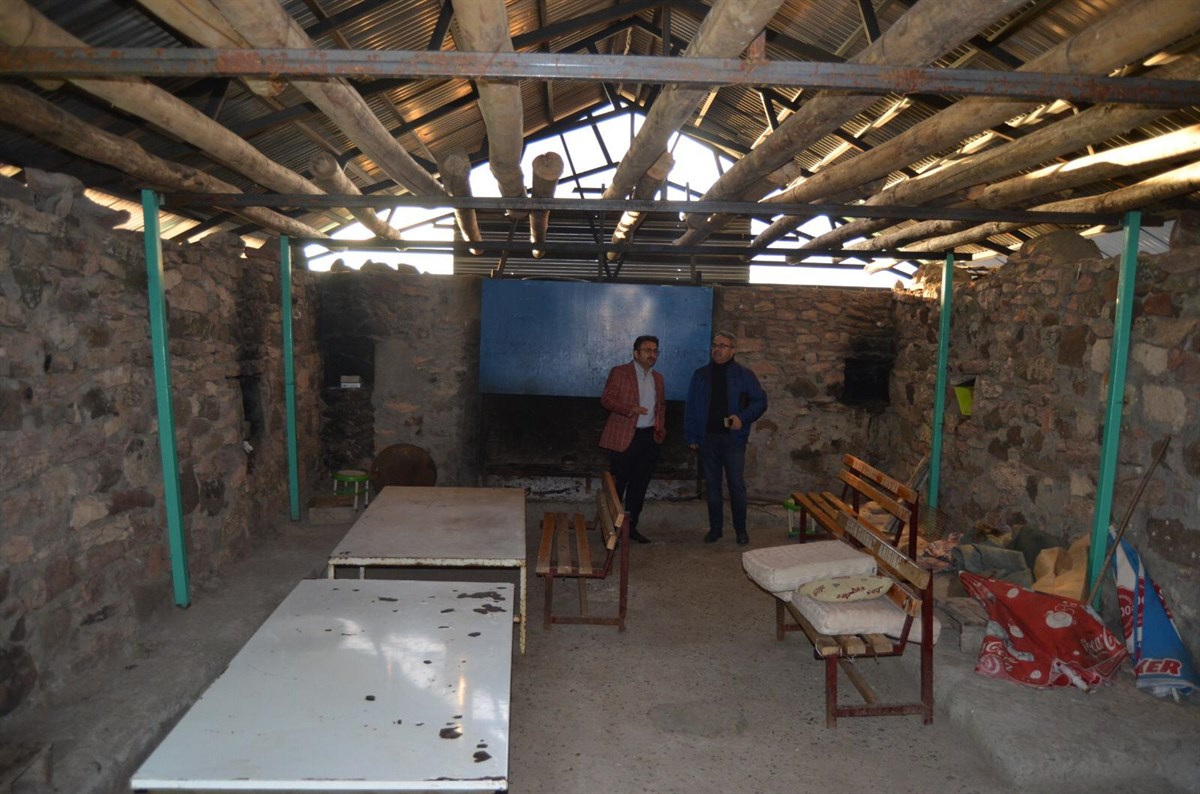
[712,537]
[742,538]
[638,537]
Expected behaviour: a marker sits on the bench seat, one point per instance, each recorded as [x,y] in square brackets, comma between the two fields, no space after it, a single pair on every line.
[565,552]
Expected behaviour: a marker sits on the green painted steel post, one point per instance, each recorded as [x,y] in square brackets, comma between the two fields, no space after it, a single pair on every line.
[156,298]
[289,372]
[939,389]
[1122,319]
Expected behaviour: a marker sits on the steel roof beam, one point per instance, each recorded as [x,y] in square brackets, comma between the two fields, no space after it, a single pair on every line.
[88,62]
[617,206]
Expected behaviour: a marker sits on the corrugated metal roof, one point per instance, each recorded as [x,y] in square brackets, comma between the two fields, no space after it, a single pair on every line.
[288,130]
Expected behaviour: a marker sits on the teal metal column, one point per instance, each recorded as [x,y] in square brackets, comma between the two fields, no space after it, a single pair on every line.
[162,388]
[1122,319]
[939,389]
[289,372]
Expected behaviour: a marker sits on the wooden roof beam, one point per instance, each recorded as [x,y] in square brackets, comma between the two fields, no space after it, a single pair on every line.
[726,30]
[1114,41]
[921,35]
[32,114]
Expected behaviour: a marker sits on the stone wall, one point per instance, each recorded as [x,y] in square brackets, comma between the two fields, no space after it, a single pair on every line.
[83,549]
[1037,336]
[798,341]
[414,340]
[422,334]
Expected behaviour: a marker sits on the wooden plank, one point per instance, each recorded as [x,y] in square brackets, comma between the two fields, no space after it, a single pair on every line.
[819,510]
[546,547]
[901,597]
[581,542]
[565,564]
[891,484]
[850,644]
[877,496]
[888,555]
[860,683]
[604,523]
[610,505]
[879,644]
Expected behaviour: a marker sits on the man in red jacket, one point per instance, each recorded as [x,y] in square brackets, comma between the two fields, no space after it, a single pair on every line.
[635,398]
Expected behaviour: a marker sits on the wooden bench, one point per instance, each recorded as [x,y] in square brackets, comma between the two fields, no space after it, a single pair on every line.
[862,483]
[565,552]
[910,592]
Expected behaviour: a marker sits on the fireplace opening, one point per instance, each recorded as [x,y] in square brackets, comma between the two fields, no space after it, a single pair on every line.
[348,356]
[865,381]
[538,436]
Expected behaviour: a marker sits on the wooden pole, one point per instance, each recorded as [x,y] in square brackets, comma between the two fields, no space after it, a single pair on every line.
[456,174]
[329,175]
[265,23]
[728,28]
[1119,38]
[925,32]
[23,26]
[28,112]
[547,168]
[1008,159]
[1176,182]
[482,26]
[646,188]
[1053,178]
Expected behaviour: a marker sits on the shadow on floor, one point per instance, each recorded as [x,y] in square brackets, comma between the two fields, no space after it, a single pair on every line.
[696,696]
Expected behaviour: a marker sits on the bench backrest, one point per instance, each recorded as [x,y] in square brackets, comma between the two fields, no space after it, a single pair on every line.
[912,582]
[860,479]
[610,516]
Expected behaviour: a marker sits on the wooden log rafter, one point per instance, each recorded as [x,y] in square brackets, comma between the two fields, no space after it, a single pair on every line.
[927,31]
[32,114]
[727,29]
[1117,39]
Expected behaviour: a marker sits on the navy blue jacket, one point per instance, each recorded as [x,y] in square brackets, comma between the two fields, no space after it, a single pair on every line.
[746,398]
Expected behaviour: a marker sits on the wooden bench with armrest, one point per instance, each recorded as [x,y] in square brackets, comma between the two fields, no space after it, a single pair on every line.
[876,628]
[781,570]
[565,552]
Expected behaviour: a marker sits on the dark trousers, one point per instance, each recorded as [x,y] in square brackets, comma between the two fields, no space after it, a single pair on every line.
[719,453]
[632,469]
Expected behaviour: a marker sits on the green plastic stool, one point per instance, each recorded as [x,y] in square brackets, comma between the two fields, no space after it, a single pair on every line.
[353,481]
[791,507]
[794,530]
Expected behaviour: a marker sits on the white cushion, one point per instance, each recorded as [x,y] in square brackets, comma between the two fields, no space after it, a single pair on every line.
[874,616]
[781,569]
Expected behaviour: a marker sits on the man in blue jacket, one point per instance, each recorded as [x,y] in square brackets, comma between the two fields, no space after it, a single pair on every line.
[723,399]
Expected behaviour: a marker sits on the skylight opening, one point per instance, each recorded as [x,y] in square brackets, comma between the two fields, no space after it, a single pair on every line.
[586,174]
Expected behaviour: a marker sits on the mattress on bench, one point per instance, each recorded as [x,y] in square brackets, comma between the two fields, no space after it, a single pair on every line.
[870,616]
[781,569]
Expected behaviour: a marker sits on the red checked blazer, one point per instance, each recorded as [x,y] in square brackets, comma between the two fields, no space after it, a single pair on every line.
[620,398]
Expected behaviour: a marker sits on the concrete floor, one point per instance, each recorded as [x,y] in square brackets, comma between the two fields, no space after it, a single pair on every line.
[697,695]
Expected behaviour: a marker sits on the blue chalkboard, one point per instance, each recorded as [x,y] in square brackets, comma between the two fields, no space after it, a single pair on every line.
[560,338]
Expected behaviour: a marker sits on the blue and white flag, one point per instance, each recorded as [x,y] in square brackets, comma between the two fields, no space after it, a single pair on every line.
[1162,665]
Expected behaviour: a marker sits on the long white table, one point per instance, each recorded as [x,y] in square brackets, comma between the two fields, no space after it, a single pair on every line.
[356,685]
[417,527]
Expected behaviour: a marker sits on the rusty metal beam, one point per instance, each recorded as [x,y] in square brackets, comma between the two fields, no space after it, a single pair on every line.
[88,62]
[583,251]
[591,206]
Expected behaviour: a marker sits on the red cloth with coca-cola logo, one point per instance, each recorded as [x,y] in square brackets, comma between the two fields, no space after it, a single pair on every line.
[1042,640]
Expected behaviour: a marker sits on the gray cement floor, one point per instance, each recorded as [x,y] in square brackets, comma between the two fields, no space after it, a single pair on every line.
[697,695]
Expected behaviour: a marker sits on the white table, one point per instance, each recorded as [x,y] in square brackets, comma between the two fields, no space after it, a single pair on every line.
[416,527]
[353,685]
